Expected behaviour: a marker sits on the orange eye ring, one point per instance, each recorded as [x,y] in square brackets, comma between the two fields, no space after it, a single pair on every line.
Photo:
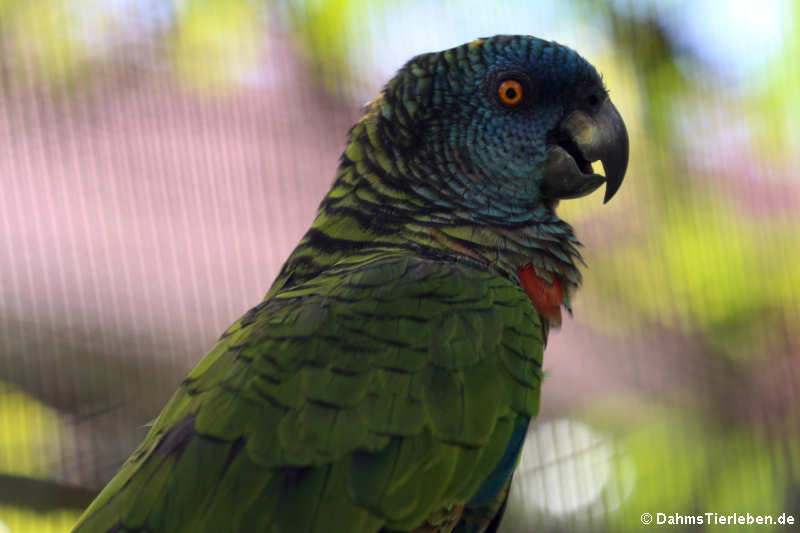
[510,92]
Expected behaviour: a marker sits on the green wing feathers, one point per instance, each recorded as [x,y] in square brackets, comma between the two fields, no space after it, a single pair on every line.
[373,396]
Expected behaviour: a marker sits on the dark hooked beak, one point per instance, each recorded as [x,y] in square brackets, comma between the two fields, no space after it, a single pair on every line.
[581,138]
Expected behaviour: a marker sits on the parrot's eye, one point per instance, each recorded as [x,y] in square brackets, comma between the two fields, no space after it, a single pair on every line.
[510,92]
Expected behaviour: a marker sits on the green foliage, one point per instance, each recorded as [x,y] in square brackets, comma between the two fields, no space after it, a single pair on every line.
[324,30]
[775,111]
[29,433]
[682,465]
[30,438]
[44,36]
[335,37]
[706,268]
[21,520]
[218,44]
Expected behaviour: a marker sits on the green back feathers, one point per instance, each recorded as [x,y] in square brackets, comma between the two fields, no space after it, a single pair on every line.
[374,395]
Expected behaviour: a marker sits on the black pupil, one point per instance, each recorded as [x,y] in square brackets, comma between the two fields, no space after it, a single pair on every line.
[511,93]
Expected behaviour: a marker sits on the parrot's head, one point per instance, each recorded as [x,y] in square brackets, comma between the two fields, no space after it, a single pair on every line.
[504,127]
[469,150]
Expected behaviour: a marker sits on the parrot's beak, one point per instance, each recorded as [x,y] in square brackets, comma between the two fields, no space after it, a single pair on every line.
[582,138]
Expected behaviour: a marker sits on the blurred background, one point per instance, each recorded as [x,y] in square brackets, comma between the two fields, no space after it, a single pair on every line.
[159,160]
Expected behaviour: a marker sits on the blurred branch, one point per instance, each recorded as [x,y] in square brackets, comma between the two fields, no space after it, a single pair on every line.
[42,494]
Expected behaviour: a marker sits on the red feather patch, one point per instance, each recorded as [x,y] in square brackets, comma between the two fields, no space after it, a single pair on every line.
[546,297]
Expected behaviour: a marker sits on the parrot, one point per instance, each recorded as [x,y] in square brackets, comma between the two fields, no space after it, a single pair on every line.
[387,380]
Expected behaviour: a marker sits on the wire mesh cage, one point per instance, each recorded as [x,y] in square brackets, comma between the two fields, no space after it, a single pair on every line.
[159,161]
